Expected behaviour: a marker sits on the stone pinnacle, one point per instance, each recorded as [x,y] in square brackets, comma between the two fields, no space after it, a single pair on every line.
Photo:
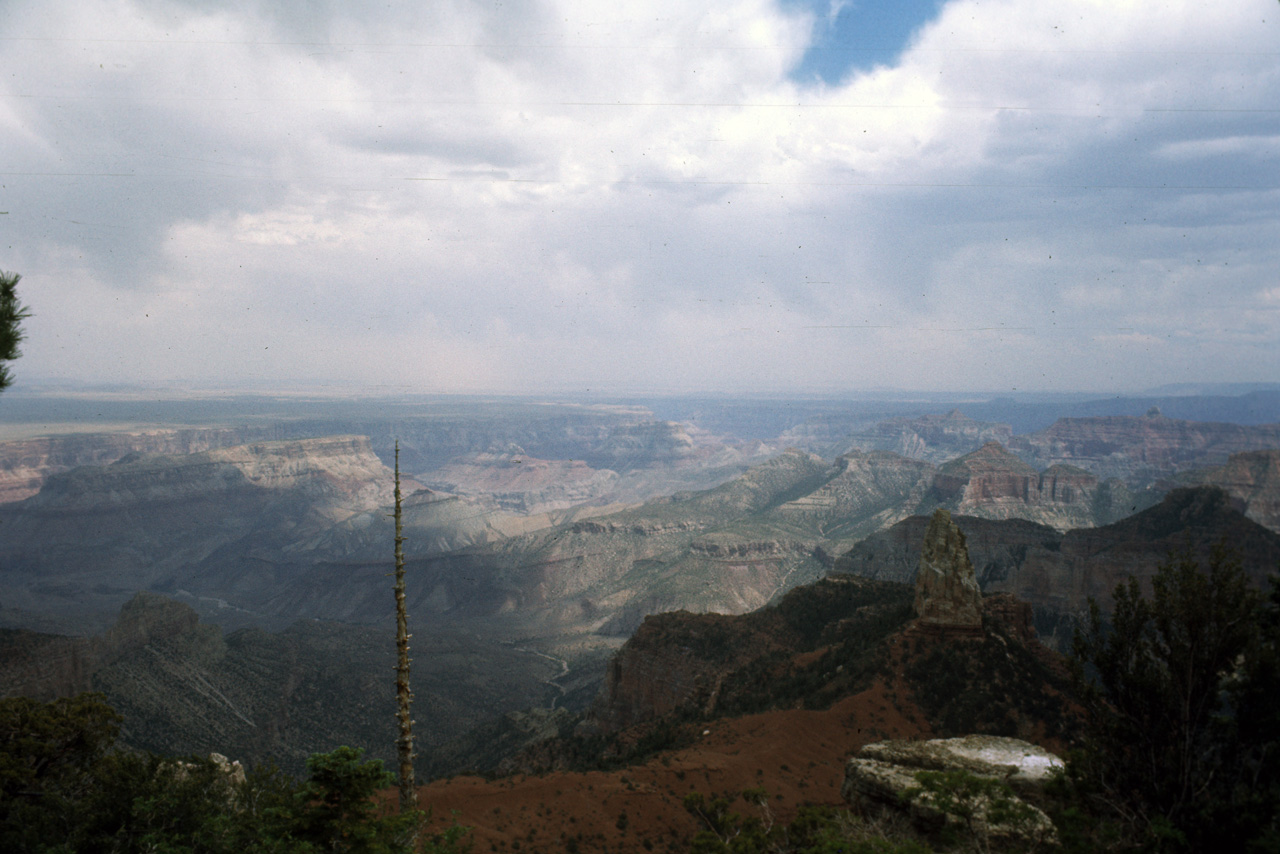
[947,593]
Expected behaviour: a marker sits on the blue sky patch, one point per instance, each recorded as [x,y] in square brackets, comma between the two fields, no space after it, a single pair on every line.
[857,35]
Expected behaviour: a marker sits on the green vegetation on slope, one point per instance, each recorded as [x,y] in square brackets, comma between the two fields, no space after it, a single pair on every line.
[64,787]
[1183,744]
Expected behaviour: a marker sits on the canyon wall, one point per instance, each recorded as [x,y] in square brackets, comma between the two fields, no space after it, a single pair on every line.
[1058,572]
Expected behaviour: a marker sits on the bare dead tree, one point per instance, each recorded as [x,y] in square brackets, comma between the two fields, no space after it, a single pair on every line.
[404,697]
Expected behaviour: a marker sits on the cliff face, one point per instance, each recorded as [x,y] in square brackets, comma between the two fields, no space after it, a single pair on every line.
[157,522]
[947,594]
[992,483]
[936,438]
[1057,573]
[27,463]
[1141,449]
[1252,478]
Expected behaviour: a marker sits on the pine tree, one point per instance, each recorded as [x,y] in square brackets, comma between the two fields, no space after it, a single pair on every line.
[12,313]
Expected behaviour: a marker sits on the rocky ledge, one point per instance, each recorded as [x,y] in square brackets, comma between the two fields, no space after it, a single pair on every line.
[888,776]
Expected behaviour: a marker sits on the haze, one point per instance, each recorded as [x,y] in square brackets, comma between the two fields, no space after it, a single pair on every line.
[667,197]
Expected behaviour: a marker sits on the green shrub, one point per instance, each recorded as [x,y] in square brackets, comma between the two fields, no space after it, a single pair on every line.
[1183,747]
[65,788]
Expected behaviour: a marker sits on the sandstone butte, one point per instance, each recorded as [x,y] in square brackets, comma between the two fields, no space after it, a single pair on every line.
[947,594]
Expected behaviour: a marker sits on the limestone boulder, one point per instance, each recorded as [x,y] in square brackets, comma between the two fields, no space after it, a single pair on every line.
[989,798]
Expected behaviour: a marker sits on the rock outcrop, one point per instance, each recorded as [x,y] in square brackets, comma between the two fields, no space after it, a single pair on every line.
[936,438]
[993,483]
[43,666]
[1253,478]
[96,534]
[887,776]
[1141,449]
[947,594]
[1057,573]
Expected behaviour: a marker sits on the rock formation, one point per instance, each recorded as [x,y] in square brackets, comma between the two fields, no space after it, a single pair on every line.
[947,594]
[936,438]
[993,483]
[96,534]
[25,464]
[184,687]
[43,666]
[1253,478]
[516,482]
[1057,573]
[1141,449]
[679,660]
[886,775]
[866,492]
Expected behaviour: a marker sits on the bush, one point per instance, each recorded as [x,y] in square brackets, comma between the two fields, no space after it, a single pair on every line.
[1183,736]
[65,788]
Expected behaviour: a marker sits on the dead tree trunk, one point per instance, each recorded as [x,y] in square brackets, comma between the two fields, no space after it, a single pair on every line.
[404,697]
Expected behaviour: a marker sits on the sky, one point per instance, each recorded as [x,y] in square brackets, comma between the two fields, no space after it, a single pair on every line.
[748,196]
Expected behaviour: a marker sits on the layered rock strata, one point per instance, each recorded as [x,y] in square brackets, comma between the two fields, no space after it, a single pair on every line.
[936,438]
[1253,478]
[1140,450]
[993,483]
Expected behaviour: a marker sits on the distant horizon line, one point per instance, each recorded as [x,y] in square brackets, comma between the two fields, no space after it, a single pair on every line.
[178,390]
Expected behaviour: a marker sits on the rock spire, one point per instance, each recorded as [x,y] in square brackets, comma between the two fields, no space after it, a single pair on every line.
[947,593]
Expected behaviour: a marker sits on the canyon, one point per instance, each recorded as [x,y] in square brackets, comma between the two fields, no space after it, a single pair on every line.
[1057,573]
[542,539]
[186,686]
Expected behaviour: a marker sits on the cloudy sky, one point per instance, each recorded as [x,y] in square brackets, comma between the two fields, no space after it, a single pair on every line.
[661,196]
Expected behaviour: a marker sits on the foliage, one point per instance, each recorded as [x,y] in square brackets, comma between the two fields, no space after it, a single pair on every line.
[336,810]
[1183,734]
[12,313]
[65,788]
[724,831]
[991,686]
[816,829]
[981,806]
[847,620]
[144,802]
[48,754]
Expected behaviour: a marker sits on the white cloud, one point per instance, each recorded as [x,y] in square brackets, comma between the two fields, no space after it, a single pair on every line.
[570,195]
